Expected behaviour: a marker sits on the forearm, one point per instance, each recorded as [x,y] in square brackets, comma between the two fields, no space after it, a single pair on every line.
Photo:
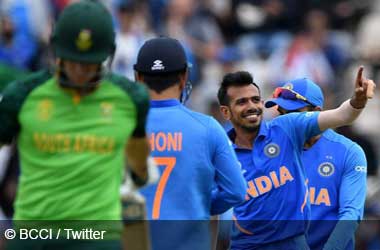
[214,231]
[222,201]
[345,114]
[343,232]
[5,154]
[137,154]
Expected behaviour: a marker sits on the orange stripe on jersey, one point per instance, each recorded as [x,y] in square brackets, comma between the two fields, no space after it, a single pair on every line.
[306,194]
[239,227]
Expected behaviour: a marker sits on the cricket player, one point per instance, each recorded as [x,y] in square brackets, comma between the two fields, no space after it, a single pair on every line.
[336,168]
[277,209]
[75,128]
[200,174]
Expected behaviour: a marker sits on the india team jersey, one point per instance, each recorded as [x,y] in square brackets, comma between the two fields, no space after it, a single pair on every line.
[336,168]
[200,175]
[276,205]
[71,148]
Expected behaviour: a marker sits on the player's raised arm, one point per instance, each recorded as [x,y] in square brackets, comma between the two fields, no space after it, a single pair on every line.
[349,110]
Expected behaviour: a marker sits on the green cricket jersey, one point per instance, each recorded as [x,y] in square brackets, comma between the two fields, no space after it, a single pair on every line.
[72,149]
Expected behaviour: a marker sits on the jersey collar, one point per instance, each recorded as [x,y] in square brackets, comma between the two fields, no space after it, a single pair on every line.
[263,132]
[164,103]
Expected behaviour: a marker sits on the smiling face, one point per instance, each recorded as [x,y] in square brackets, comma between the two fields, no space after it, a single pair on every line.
[245,107]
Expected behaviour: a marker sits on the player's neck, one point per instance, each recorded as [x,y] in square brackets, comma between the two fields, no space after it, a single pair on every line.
[169,93]
[244,138]
[308,144]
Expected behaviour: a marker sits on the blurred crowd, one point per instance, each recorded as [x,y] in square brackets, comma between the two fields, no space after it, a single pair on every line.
[275,40]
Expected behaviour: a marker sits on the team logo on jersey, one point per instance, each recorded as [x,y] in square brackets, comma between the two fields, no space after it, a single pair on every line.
[84,41]
[157,65]
[45,109]
[272,150]
[106,109]
[326,169]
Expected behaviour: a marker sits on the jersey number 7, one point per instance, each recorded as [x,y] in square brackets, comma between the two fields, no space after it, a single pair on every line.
[169,163]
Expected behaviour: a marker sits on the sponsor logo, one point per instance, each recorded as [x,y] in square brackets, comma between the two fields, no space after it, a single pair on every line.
[361,169]
[45,109]
[106,109]
[157,65]
[309,114]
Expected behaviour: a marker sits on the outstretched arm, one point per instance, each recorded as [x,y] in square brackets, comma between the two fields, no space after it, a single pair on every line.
[349,110]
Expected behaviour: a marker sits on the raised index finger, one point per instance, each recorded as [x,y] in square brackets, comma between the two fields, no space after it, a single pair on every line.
[359,76]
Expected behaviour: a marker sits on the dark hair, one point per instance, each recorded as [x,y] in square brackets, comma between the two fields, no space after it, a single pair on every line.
[236,79]
[160,82]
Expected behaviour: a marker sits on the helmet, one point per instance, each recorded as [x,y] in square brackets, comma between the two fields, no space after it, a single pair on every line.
[84,33]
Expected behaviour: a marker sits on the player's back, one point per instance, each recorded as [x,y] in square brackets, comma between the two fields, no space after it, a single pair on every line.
[179,140]
[179,205]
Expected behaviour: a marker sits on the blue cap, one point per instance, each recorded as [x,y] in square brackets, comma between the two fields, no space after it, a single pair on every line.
[303,86]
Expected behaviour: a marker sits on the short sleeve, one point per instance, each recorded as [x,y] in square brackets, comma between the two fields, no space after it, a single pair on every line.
[299,126]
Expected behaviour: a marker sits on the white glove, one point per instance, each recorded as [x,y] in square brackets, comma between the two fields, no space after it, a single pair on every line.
[133,202]
[153,172]
[129,189]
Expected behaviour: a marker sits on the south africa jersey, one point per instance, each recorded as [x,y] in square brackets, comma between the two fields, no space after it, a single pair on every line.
[72,148]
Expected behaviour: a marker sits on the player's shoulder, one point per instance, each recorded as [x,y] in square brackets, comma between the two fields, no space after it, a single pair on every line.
[332,136]
[136,90]
[340,140]
[20,88]
[284,120]
[293,117]
[202,119]
[124,83]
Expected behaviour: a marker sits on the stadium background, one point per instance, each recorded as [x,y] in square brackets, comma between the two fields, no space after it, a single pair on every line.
[275,40]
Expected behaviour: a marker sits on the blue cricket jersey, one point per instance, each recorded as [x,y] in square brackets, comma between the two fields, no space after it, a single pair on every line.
[200,175]
[276,205]
[336,168]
